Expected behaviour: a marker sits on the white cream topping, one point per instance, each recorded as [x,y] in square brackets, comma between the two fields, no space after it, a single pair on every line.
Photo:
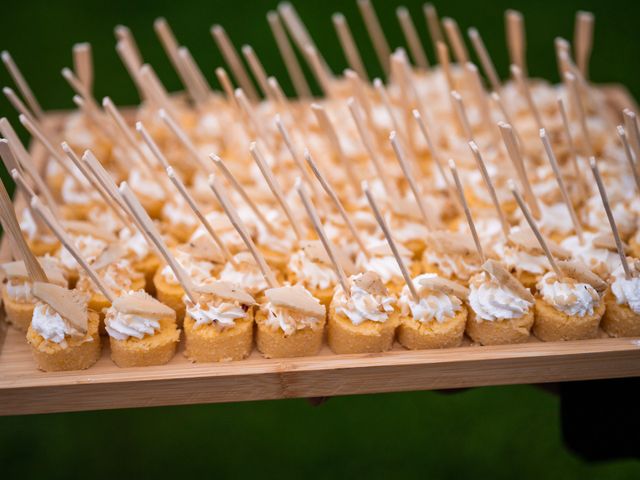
[198,270]
[90,248]
[627,292]
[19,290]
[432,306]
[135,244]
[384,265]
[50,325]
[30,229]
[73,192]
[121,326]
[248,275]
[492,301]
[144,185]
[599,260]
[574,299]
[362,305]
[222,314]
[312,274]
[521,260]
[451,265]
[177,212]
[287,320]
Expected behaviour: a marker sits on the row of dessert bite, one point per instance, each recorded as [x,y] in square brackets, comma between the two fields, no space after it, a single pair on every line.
[378,239]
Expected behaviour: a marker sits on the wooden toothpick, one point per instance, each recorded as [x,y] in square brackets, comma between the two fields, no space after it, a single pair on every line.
[57,229]
[198,213]
[237,223]
[233,61]
[563,190]
[408,175]
[523,85]
[518,163]
[83,64]
[516,39]
[485,59]
[348,45]
[572,84]
[629,154]
[376,34]
[461,115]
[572,147]
[157,153]
[11,226]
[22,84]
[151,233]
[218,162]
[391,242]
[323,78]
[492,191]
[467,211]
[534,228]
[183,137]
[583,41]
[411,36]
[255,65]
[633,131]
[20,107]
[317,225]
[274,186]
[336,201]
[288,55]
[433,23]
[452,31]
[612,222]
[444,60]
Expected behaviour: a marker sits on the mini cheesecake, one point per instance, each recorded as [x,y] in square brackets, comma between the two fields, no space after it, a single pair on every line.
[17,296]
[501,308]
[63,334]
[438,320]
[142,331]
[290,323]
[365,321]
[311,267]
[569,308]
[219,327]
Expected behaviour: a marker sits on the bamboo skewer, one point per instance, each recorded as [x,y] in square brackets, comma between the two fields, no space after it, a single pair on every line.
[198,213]
[572,148]
[274,186]
[455,40]
[408,175]
[485,59]
[467,211]
[575,94]
[391,242]
[433,23]
[152,234]
[411,36]
[20,107]
[612,222]
[583,41]
[563,189]
[237,223]
[336,201]
[57,229]
[348,45]
[183,137]
[629,154]
[534,228]
[288,55]
[516,40]
[83,64]
[233,60]
[521,81]
[315,221]
[257,69]
[22,84]
[376,34]
[631,127]
[492,191]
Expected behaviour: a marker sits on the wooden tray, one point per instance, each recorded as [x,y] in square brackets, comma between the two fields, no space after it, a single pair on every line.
[24,389]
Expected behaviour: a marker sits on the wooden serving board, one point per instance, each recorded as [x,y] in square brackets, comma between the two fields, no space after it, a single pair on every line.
[25,390]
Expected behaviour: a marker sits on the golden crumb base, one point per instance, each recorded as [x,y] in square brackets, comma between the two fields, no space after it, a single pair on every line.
[170,294]
[277,260]
[500,332]
[634,246]
[78,354]
[416,246]
[619,320]
[40,248]
[273,343]
[18,314]
[416,335]
[148,266]
[152,205]
[156,349]
[180,232]
[368,337]
[208,343]
[527,279]
[76,211]
[552,325]
[55,181]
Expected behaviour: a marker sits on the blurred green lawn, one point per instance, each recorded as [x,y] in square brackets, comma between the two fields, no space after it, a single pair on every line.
[502,432]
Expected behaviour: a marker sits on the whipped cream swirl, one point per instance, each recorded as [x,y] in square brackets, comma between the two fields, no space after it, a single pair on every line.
[492,301]
[573,298]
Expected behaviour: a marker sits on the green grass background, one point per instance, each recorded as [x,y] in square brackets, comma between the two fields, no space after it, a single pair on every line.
[500,432]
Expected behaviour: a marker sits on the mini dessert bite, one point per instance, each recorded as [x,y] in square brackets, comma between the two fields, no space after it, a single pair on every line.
[40,241]
[622,315]
[363,320]
[451,255]
[569,307]
[142,331]
[438,319]
[501,309]
[311,267]
[290,323]
[63,334]
[17,296]
[219,327]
